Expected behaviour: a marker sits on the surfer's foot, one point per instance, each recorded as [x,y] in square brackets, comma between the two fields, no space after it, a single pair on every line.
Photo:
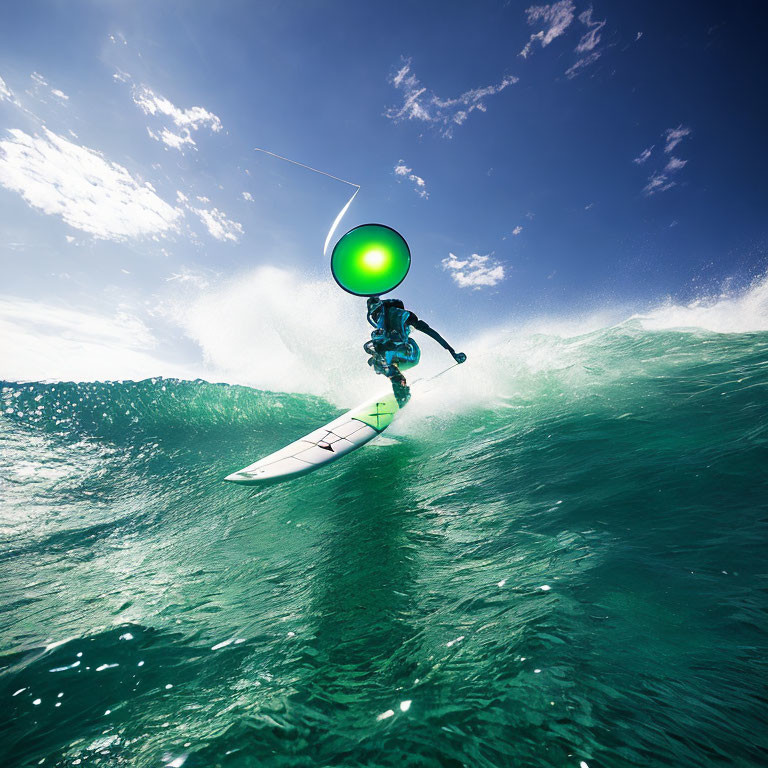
[401,390]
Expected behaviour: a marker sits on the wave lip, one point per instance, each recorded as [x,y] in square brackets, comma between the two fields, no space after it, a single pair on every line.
[728,312]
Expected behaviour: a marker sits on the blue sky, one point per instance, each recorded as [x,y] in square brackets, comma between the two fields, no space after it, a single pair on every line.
[539,159]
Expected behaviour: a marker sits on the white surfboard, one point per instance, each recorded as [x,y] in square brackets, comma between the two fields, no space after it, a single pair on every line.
[323,446]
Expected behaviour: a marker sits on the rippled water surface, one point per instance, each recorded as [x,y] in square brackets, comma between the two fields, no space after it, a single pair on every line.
[566,570]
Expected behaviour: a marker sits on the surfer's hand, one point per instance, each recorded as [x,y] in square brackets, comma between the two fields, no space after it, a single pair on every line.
[459,357]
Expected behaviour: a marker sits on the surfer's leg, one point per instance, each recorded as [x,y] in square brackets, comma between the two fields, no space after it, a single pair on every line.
[377,360]
[404,358]
[400,387]
[401,390]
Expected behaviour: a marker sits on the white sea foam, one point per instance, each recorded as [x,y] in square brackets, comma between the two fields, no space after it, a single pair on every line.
[275,329]
[726,312]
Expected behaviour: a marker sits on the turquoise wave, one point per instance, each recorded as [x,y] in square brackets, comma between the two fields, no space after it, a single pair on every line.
[559,559]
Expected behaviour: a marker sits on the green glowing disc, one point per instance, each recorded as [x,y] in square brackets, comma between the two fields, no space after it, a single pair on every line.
[370,260]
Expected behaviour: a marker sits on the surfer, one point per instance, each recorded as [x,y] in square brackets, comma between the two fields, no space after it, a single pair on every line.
[391,349]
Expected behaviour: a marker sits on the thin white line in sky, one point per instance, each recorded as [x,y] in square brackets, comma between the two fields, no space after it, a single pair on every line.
[330,176]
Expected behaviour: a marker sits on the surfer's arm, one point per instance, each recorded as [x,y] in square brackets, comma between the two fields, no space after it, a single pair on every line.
[420,325]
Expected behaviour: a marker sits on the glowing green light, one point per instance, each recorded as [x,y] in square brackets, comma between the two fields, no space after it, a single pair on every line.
[374,259]
[370,260]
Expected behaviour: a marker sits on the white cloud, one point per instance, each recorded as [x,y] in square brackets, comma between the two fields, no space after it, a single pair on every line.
[556,18]
[218,225]
[90,193]
[419,185]
[581,64]
[517,230]
[475,272]
[674,136]
[248,196]
[592,36]
[587,45]
[41,82]
[658,182]
[6,94]
[644,155]
[192,277]
[185,120]
[40,341]
[216,221]
[421,104]
[171,139]
[675,164]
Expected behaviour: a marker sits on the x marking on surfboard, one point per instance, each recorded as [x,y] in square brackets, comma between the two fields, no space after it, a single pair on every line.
[379,413]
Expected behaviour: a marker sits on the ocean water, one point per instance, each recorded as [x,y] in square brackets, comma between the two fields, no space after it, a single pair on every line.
[557,558]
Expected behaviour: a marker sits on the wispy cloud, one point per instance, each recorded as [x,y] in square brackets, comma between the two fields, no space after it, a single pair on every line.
[674,136]
[171,139]
[40,83]
[644,155]
[218,225]
[581,64]
[90,193]
[216,222]
[194,277]
[419,185]
[40,341]
[248,196]
[184,120]
[419,103]
[659,180]
[675,164]
[517,230]
[475,272]
[6,94]
[591,37]
[554,18]
[587,47]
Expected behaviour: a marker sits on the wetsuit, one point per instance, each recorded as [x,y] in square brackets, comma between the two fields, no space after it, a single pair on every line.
[391,348]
